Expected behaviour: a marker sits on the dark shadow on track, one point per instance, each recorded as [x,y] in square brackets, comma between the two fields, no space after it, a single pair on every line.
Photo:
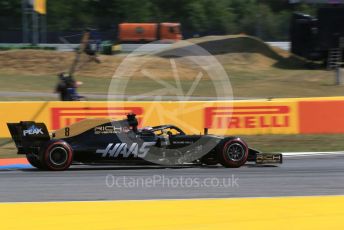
[145,167]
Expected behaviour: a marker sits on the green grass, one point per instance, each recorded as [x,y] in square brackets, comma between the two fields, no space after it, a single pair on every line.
[296,143]
[94,85]
[7,148]
[265,143]
[277,83]
[271,83]
[27,83]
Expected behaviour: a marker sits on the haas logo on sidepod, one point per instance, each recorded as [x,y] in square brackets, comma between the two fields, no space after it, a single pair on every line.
[123,149]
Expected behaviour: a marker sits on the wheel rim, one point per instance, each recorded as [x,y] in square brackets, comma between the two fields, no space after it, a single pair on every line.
[235,152]
[58,156]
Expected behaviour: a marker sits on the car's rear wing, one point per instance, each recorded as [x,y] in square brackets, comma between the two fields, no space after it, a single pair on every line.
[28,136]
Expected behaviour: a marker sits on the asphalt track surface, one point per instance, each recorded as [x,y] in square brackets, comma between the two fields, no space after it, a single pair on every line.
[298,176]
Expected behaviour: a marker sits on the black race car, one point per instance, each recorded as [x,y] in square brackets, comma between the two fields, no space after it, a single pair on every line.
[95,141]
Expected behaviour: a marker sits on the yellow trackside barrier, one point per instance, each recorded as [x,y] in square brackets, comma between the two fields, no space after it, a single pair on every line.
[227,118]
[252,117]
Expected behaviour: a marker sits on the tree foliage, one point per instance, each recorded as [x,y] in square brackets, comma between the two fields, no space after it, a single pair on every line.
[268,19]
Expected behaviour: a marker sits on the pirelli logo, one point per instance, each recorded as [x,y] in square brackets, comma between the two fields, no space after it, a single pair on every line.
[61,117]
[249,117]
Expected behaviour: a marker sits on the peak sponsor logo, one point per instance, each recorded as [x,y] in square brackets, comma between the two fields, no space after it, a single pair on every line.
[248,117]
[33,130]
[122,149]
[61,117]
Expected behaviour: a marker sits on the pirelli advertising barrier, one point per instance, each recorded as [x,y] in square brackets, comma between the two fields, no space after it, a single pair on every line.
[282,116]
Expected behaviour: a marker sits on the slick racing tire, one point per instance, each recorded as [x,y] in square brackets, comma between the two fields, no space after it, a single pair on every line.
[233,153]
[57,155]
[34,161]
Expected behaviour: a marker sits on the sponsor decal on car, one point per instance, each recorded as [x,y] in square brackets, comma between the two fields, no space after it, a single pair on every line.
[125,150]
[107,129]
[181,142]
[33,130]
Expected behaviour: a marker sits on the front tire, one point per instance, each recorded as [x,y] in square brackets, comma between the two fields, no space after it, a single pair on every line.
[233,153]
[57,155]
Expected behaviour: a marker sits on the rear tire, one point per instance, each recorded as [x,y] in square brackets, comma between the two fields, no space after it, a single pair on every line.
[34,161]
[233,153]
[57,155]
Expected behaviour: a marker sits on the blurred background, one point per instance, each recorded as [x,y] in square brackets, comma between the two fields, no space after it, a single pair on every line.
[272,39]
[266,19]
[269,49]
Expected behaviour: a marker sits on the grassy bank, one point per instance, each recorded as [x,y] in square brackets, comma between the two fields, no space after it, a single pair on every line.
[255,70]
[245,84]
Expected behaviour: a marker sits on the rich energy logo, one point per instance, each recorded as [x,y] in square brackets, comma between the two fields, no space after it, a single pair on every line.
[115,150]
[247,117]
[33,130]
[110,129]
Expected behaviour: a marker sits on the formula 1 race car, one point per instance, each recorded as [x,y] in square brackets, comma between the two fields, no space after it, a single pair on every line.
[104,141]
